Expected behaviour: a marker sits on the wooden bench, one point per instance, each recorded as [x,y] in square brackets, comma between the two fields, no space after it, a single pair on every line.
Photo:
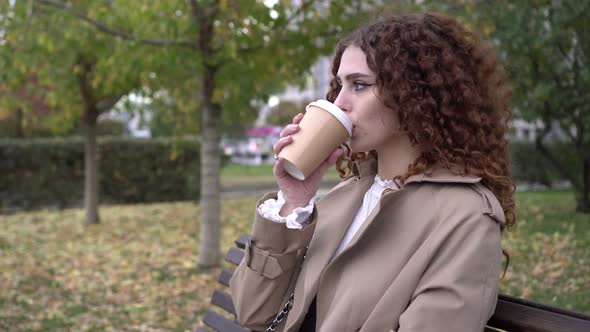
[512,314]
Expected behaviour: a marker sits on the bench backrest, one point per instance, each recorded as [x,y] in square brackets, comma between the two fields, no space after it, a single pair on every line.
[512,314]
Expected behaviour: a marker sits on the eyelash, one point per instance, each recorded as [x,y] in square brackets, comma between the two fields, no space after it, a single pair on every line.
[357,86]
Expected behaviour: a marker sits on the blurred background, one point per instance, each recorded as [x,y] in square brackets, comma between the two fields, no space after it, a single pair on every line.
[136,137]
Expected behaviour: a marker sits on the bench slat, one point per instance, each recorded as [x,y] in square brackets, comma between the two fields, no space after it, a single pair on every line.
[220,323]
[224,277]
[241,242]
[515,315]
[234,256]
[544,307]
[201,329]
[223,300]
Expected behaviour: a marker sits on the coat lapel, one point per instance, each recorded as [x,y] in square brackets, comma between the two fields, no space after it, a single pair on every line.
[437,176]
[331,226]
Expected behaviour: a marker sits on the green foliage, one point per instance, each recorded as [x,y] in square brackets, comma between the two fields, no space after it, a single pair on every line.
[18,125]
[45,50]
[170,117]
[260,55]
[50,172]
[9,128]
[256,50]
[545,46]
[104,127]
[284,112]
[110,127]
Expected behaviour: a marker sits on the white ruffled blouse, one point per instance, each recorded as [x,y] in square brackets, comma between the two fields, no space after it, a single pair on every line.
[297,219]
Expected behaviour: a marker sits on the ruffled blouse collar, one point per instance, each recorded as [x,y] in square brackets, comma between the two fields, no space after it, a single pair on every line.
[385,183]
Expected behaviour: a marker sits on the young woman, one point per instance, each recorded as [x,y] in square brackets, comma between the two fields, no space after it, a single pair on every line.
[410,240]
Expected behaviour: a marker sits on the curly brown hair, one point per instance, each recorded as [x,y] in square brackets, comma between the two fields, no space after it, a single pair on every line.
[450,92]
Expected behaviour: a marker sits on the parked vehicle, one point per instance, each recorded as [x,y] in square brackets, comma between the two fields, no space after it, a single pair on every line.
[258,147]
[229,147]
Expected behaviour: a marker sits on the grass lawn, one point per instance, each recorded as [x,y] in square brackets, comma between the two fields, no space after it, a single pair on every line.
[550,251]
[135,271]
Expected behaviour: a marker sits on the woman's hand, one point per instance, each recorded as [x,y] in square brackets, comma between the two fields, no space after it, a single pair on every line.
[298,193]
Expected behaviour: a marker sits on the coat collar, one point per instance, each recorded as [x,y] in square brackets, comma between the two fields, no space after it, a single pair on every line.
[368,169]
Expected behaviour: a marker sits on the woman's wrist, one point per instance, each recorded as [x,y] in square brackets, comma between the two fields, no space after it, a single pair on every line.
[289,206]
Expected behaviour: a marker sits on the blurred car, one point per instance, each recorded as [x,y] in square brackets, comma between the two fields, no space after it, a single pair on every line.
[257,148]
[229,147]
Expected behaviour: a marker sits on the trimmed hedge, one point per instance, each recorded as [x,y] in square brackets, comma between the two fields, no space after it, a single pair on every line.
[50,172]
[530,166]
[39,173]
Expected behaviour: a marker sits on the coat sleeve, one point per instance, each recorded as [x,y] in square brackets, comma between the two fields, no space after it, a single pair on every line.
[458,289]
[263,281]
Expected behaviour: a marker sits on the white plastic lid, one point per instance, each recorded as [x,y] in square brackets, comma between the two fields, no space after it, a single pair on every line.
[335,111]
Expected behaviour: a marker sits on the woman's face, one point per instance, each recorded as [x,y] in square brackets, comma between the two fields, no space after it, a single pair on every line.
[374,124]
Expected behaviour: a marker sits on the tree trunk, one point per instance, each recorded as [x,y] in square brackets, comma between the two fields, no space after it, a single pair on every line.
[560,167]
[209,252]
[89,119]
[19,123]
[90,172]
[583,197]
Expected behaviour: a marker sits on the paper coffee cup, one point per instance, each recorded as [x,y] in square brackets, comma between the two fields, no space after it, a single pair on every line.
[323,128]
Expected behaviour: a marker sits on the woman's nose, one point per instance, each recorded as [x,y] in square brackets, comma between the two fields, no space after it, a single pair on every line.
[342,102]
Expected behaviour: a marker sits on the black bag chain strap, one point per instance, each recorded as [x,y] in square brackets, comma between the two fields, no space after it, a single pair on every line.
[286,308]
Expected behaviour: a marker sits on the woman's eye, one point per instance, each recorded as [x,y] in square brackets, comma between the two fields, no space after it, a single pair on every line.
[358,86]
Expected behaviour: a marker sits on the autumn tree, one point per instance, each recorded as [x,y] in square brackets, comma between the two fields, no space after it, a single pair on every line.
[229,53]
[545,45]
[81,74]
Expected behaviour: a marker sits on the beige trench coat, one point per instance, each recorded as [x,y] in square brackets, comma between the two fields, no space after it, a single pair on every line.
[428,258]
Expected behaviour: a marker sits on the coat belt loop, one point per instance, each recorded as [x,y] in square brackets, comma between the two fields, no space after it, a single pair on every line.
[265,254]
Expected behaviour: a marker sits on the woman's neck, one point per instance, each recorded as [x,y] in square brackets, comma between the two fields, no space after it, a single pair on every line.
[395,157]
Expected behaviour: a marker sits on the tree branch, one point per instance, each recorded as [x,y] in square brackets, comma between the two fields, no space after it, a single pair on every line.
[106,103]
[280,28]
[90,111]
[568,131]
[284,39]
[297,12]
[195,10]
[559,166]
[119,34]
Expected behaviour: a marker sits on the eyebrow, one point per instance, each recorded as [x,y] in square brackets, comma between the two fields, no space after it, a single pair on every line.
[353,76]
